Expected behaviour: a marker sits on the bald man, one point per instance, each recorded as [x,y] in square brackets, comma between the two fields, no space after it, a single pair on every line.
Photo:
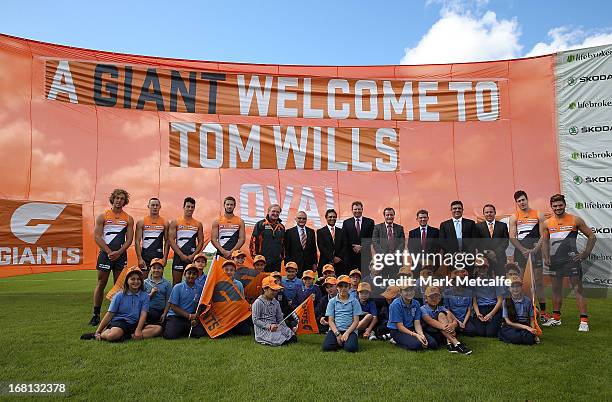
[301,245]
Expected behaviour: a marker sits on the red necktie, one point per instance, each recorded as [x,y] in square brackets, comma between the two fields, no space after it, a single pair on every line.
[423,237]
[390,237]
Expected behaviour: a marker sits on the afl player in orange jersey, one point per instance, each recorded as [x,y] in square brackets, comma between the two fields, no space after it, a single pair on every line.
[560,232]
[228,232]
[186,239]
[113,233]
[151,237]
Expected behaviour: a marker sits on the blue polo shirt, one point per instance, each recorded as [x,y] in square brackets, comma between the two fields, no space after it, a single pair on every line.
[159,300]
[523,307]
[487,295]
[239,286]
[343,312]
[353,294]
[426,309]
[184,296]
[369,307]
[458,301]
[407,314]
[128,306]
[303,292]
[291,286]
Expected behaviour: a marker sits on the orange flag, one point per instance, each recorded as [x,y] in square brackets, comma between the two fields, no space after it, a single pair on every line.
[529,291]
[251,281]
[118,286]
[221,302]
[307,321]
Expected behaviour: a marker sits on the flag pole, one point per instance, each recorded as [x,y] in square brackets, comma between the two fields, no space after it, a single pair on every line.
[291,313]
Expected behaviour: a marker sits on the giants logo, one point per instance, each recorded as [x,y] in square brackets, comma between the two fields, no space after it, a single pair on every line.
[40,233]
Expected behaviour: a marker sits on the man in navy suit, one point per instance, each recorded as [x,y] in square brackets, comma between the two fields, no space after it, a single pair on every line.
[458,234]
[423,239]
[332,245]
[358,233]
[387,238]
[301,245]
[493,235]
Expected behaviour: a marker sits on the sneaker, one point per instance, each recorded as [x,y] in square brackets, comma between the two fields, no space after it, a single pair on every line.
[372,337]
[386,337]
[551,322]
[545,317]
[462,349]
[451,348]
[583,327]
[392,341]
[88,336]
[95,320]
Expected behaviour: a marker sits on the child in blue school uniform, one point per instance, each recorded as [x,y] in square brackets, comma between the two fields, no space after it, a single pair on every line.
[291,283]
[282,298]
[487,304]
[127,313]
[458,302]
[405,322]
[183,301]
[438,323]
[200,261]
[309,288]
[519,322]
[382,330]
[355,277]
[369,318]
[343,317]
[159,289]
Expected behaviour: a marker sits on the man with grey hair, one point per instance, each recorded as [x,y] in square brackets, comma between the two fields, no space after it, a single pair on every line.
[300,245]
[268,239]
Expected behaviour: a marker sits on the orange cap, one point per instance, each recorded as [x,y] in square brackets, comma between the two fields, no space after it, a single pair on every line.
[237,253]
[270,282]
[188,267]
[405,270]
[391,292]
[432,290]
[159,261]
[331,281]
[328,268]
[229,262]
[355,272]
[344,279]
[308,274]
[201,255]
[275,273]
[516,279]
[364,286]
[292,265]
[259,258]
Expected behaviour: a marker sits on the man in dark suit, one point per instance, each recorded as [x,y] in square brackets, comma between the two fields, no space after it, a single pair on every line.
[457,234]
[387,238]
[301,245]
[358,233]
[332,245]
[423,239]
[493,235]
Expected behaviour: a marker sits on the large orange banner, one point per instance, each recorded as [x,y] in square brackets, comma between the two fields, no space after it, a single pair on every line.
[77,123]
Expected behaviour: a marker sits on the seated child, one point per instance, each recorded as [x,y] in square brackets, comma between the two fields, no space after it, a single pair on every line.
[438,324]
[159,289]
[268,317]
[307,289]
[355,277]
[291,283]
[331,290]
[369,318]
[343,316]
[181,320]
[458,302]
[519,323]
[405,322]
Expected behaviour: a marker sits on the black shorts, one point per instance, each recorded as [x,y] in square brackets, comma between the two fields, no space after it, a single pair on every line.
[567,268]
[105,264]
[536,260]
[148,258]
[153,316]
[128,329]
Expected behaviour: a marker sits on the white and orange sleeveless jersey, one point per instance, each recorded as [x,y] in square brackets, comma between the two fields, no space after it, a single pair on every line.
[229,231]
[563,233]
[115,229]
[187,234]
[153,235]
[527,224]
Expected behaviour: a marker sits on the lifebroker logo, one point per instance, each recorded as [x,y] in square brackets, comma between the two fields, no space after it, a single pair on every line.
[40,233]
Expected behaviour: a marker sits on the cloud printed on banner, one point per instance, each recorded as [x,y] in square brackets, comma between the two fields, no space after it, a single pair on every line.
[466,32]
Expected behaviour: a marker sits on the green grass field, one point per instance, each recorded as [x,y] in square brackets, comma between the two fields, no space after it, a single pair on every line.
[43,316]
